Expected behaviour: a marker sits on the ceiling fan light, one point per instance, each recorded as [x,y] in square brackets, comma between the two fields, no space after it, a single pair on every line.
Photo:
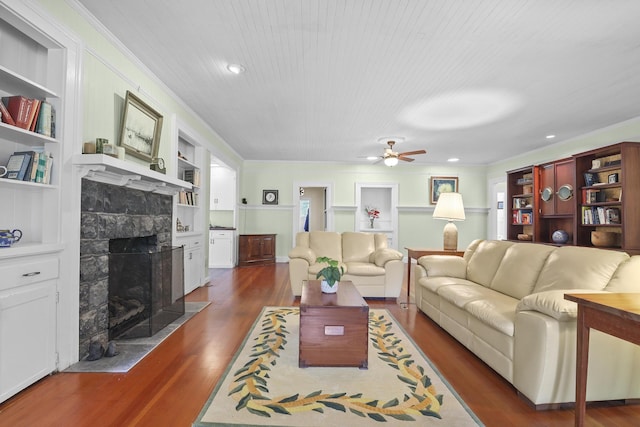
[391,161]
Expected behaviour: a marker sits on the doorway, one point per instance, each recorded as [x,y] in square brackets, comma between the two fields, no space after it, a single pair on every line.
[312,207]
[497,219]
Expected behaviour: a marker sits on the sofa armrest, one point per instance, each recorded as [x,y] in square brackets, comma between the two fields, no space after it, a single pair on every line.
[444,265]
[303,253]
[384,255]
[552,303]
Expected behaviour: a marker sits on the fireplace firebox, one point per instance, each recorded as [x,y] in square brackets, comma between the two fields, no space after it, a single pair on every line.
[146,286]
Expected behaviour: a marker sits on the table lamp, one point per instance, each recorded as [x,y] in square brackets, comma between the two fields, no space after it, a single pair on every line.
[450,207]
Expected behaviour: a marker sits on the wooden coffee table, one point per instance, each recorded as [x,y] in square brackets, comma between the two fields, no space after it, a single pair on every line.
[334,328]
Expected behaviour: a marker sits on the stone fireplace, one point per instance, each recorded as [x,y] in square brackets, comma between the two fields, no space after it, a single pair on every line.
[112,212]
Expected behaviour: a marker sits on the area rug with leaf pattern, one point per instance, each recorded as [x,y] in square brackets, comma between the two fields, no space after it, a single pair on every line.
[264,386]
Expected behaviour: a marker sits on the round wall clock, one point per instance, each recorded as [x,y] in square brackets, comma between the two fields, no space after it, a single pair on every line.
[269,197]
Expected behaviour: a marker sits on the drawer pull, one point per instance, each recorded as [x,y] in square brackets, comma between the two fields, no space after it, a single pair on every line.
[33,273]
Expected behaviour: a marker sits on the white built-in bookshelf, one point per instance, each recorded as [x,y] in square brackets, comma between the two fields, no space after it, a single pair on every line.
[35,62]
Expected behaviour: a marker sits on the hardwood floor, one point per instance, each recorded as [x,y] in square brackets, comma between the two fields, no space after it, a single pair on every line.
[170,386]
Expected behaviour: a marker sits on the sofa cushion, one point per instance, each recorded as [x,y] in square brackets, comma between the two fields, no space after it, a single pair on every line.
[625,279]
[552,303]
[316,267]
[461,295]
[497,311]
[520,268]
[364,269]
[326,243]
[485,260]
[357,247]
[433,284]
[575,267]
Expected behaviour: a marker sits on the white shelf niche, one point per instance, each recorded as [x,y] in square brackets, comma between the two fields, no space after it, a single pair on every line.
[383,197]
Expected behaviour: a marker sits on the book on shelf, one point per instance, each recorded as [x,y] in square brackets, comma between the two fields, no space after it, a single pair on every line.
[45,118]
[33,117]
[6,116]
[17,166]
[192,176]
[522,217]
[30,114]
[20,109]
[38,168]
[32,154]
[599,215]
[590,179]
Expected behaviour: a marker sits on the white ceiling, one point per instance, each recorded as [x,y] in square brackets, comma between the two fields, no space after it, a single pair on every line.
[325,79]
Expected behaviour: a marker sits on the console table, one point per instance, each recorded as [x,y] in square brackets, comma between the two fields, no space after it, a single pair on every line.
[614,314]
[415,253]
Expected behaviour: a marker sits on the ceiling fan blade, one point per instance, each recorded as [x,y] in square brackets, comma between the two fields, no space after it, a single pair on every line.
[412,153]
[405,159]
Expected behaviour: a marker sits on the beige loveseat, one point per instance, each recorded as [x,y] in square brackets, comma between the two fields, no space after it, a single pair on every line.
[374,269]
[505,302]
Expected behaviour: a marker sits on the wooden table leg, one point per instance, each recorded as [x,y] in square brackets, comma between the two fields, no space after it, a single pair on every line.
[408,281]
[582,360]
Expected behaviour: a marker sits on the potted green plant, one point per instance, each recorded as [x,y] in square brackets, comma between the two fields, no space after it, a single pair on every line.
[331,274]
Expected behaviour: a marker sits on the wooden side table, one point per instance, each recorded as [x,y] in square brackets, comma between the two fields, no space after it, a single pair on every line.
[415,253]
[614,314]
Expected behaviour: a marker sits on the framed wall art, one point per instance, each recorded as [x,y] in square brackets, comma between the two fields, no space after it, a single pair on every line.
[141,127]
[442,184]
[269,197]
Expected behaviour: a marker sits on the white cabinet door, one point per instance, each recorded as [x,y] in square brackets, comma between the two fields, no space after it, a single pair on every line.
[27,334]
[221,249]
[193,265]
[222,189]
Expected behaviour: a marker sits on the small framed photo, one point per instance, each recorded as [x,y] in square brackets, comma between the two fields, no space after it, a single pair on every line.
[442,184]
[141,127]
[612,178]
[269,197]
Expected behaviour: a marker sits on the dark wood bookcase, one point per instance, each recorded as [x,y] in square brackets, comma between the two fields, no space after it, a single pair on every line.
[593,191]
[522,186]
[556,200]
[609,183]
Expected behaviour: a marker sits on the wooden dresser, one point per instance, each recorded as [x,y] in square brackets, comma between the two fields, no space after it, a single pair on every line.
[256,249]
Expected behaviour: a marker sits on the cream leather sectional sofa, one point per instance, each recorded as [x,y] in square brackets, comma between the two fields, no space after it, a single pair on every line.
[374,269]
[505,302]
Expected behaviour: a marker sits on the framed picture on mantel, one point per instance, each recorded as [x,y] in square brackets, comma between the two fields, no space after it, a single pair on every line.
[141,127]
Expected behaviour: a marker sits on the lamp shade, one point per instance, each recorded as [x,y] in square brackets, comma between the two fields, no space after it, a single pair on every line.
[449,207]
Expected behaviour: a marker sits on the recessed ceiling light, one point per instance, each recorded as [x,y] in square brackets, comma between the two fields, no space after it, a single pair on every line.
[236,68]
[550,136]
[453,159]
[373,158]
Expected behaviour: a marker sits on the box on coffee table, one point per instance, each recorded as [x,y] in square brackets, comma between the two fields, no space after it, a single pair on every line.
[333,327]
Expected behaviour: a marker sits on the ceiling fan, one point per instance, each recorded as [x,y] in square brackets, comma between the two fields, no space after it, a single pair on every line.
[390,157]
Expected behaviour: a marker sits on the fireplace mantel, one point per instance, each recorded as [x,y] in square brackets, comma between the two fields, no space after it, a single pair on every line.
[110,170]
